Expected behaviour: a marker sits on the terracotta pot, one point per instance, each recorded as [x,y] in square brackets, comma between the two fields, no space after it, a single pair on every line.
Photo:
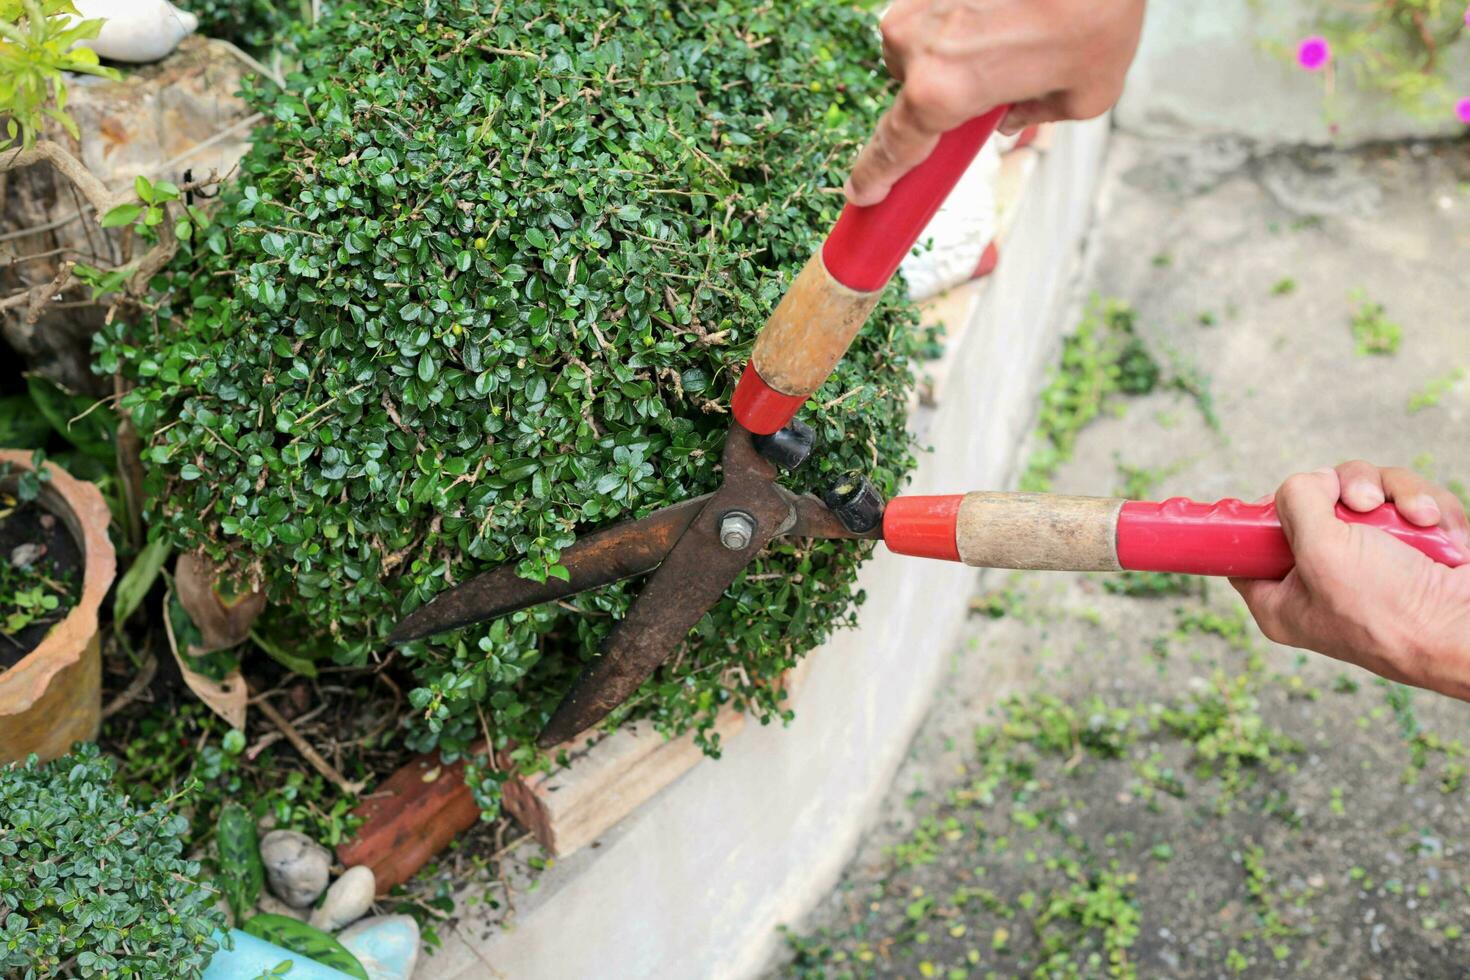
[53,696]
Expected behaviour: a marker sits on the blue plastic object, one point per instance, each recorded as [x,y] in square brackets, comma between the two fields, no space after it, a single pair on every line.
[252,957]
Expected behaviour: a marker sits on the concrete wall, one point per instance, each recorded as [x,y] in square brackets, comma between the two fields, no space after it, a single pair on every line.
[696,882]
[1201,70]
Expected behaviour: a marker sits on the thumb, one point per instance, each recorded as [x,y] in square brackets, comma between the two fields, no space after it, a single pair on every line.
[901,142]
[1307,507]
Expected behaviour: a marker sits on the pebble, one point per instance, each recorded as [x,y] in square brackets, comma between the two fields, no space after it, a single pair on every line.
[296,866]
[26,555]
[387,946]
[347,900]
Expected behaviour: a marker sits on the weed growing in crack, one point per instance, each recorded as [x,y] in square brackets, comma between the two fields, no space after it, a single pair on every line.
[1373,331]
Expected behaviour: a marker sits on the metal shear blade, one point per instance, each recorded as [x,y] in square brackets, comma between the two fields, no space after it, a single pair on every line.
[695,549]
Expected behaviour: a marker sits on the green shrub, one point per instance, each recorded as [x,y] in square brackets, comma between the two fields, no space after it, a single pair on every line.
[91,885]
[249,23]
[488,278]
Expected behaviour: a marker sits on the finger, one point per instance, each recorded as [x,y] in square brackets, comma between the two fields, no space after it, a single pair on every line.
[896,30]
[1033,112]
[893,59]
[901,142]
[1307,506]
[1422,502]
[1362,485]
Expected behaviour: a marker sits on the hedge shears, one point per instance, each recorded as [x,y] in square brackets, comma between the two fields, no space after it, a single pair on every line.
[694,550]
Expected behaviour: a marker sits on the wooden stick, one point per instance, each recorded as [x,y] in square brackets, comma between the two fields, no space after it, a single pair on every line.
[308,753]
[140,683]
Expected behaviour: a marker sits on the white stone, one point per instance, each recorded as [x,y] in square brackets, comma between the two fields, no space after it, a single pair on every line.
[136,30]
[348,899]
[387,946]
[296,866]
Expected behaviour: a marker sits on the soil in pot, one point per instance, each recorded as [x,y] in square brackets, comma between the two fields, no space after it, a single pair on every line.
[40,577]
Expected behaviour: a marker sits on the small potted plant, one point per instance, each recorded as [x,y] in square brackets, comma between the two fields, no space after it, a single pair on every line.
[56,565]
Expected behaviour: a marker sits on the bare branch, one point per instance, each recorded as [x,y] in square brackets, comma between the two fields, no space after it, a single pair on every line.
[35,298]
[72,169]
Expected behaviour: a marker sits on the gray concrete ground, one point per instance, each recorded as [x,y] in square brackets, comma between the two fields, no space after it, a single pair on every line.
[1170,794]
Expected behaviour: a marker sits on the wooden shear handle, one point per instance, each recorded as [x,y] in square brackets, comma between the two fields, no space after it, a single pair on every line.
[831,298]
[1050,531]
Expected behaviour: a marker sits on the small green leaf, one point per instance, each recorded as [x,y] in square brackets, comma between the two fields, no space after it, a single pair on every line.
[143,189]
[123,214]
[290,661]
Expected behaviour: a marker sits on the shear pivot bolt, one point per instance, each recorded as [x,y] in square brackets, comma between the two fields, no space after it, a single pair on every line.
[737,529]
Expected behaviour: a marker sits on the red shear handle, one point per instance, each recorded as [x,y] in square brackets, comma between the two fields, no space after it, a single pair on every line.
[866,245]
[1049,531]
[1243,540]
[831,298]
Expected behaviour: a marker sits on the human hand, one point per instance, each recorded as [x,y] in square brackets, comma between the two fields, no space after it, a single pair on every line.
[1049,59]
[1361,596]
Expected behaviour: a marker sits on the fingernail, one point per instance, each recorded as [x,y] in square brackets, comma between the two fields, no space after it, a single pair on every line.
[1325,471]
[1367,495]
[1426,507]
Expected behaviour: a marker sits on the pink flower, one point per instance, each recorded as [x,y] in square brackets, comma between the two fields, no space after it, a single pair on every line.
[1467,16]
[1314,53]
[1462,109]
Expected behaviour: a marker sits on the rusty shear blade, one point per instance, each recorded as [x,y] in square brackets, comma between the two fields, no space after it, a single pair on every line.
[691,579]
[607,556]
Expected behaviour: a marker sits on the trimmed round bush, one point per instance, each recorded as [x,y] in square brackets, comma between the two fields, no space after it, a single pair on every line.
[487,279]
[91,885]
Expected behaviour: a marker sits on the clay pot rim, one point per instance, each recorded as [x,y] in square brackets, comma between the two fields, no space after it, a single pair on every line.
[79,505]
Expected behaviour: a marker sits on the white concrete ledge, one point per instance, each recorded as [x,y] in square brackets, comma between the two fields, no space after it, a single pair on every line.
[696,881]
